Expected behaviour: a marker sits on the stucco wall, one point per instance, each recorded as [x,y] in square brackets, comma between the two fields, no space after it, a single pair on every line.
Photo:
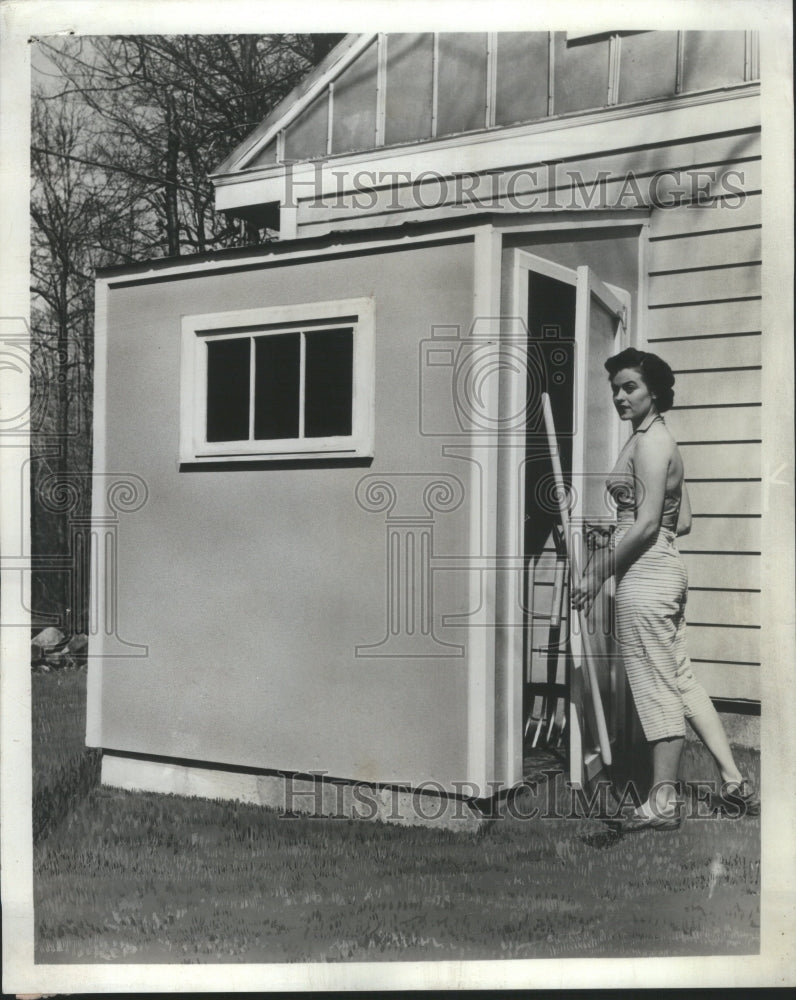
[251,588]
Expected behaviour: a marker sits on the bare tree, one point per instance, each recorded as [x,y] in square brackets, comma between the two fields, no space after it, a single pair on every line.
[125,131]
[167,109]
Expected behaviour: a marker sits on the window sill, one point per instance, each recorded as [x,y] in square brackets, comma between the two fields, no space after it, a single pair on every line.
[295,460]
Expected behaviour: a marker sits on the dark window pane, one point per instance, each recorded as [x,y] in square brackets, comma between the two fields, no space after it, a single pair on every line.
[580,72]
[228,389]
[354,108]
[647,65]
[408,108]
[712,59]
[551,355]
[276,386]
[461,101]
[329,380]
[522,60]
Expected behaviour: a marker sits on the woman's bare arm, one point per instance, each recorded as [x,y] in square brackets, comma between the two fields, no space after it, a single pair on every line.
[684,517]
[650,469]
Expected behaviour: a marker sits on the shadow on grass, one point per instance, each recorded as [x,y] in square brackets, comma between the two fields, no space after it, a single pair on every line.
[66,787]
[64,771]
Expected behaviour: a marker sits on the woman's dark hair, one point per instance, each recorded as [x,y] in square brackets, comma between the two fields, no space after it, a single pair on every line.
[658,376]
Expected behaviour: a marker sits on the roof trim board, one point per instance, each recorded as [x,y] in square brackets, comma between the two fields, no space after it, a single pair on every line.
[404,235]
[572,119]
[290,107]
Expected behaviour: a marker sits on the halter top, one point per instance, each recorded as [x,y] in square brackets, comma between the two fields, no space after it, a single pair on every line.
[621,484]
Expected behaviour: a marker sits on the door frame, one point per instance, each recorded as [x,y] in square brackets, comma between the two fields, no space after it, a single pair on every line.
[586,283]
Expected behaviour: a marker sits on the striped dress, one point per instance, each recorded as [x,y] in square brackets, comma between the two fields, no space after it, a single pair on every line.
[650,613]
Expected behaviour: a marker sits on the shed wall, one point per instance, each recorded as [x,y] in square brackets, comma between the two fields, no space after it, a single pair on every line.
[252,587]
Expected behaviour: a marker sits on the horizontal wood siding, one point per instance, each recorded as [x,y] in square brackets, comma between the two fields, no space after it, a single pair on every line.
[708,607]
[711,353]
[704,268]
[694,285]
[735,246]
[717,498]
[737,423]
[684,221]
[729,680]
[721,570]
[708,320]
[708,170]
[723,534]
[727,645]
[724,386]
[721,461]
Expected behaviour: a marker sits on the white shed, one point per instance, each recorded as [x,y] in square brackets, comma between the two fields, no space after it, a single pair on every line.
[344,561]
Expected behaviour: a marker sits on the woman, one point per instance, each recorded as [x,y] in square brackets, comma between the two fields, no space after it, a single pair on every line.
[653,507]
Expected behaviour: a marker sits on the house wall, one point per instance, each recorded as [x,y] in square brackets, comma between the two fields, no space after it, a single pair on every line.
[703,316]
[410,87]
[629,163]
[252,587]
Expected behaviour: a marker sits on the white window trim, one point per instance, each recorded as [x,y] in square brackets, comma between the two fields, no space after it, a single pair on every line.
[198,329]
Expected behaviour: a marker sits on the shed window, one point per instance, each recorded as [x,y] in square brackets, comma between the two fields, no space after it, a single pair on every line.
[294,381]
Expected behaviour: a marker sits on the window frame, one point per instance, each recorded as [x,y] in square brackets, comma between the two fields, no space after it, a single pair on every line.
[199,329]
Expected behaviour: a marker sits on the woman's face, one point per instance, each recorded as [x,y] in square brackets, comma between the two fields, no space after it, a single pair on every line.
[632,398]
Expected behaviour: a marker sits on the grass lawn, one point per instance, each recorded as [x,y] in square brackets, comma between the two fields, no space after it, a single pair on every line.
[141,877]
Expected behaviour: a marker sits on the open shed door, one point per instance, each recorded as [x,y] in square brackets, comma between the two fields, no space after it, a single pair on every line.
[600,330]
[574,322]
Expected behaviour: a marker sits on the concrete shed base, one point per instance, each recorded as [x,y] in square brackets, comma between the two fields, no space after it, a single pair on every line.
[294,795]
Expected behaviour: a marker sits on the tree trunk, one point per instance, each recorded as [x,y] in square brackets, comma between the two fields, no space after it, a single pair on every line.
[171,179]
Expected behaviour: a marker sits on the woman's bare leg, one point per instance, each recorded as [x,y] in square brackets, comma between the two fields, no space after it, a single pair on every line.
[708,727]
[665,771]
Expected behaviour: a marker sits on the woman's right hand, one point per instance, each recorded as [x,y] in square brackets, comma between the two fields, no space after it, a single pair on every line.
[584,591]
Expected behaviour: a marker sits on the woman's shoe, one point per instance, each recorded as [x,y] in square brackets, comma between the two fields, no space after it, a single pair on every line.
[740,798]
[651,821]
[632,824]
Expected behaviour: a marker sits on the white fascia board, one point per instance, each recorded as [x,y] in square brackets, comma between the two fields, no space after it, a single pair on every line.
[496,149]
[185,267]
[294,109]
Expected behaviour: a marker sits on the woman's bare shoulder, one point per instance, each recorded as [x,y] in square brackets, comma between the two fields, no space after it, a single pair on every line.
[661,444]
[657,437]
[656,446]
